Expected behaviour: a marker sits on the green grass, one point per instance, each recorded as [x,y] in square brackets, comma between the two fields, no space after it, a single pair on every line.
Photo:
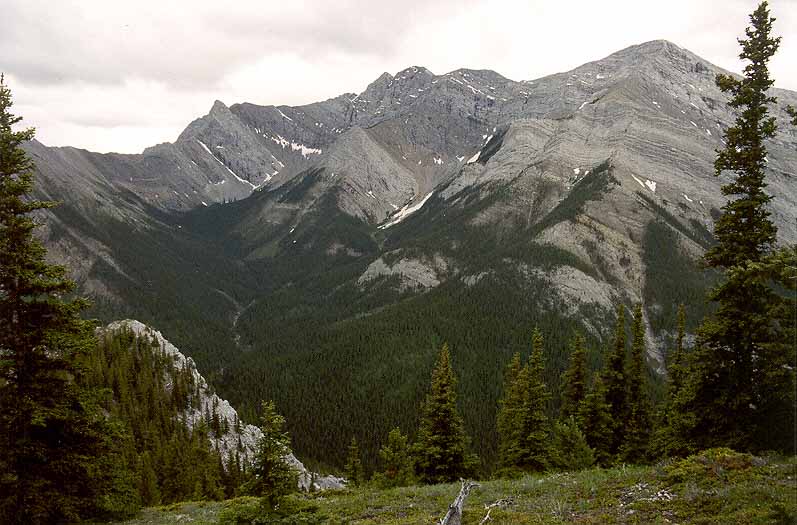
[716,487]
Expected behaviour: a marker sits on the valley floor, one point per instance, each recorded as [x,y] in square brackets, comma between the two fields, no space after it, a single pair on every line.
[715,488]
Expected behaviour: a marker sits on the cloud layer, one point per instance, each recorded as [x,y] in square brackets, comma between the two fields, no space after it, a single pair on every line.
[120,76]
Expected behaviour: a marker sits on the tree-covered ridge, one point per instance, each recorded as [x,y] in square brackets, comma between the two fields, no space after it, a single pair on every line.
[169,459]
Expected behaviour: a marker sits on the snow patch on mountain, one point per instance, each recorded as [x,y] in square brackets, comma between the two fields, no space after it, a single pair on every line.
[405,212]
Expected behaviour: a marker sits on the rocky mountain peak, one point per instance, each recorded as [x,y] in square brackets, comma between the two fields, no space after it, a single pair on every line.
[219,106]
[380,83]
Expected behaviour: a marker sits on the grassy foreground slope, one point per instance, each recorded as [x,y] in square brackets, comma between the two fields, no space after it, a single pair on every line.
[715,487]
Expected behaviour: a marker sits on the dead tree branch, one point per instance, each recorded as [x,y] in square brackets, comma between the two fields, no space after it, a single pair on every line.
[454,514]
[501,503]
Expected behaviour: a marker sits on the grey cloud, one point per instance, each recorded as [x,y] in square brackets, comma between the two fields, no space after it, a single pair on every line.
[61,42]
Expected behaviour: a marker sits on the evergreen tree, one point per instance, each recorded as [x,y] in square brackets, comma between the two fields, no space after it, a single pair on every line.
[793,114]
[614,375]
[272,476]
[55,445]
[511,414]
[397,468]
[535,428]
[354,465]
[569,448]
[208,475]
[737,389]
[677,362]
[442,448]
[595,416]
[148,482]
[638,425]
[575,379]
[664,442]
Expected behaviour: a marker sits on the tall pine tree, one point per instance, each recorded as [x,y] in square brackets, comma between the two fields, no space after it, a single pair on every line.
[738,390]
[596,422]
[511,414]
[664,441]
[57,451]
[441,449]
[354,466]
[614,376]
[536,429]
[677,361]
[636,438]
[272,476]
[575,379]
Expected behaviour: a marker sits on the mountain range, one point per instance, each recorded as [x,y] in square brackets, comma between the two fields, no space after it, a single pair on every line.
[319,255]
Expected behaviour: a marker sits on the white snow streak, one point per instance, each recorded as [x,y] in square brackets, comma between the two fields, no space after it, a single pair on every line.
[305,151]
[286,116]
[225,166]
[405,212]
[638,180]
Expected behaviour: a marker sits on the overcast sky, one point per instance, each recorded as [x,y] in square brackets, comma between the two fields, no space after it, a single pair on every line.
[109,75]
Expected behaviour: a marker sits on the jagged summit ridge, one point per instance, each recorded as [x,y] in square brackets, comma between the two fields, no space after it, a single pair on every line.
[234,150]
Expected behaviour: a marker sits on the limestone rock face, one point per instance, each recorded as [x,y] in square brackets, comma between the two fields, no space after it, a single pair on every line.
[413,274]
[227,443]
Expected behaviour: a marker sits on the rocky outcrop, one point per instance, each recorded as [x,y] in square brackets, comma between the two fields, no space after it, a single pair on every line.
[413,274]
[241,438]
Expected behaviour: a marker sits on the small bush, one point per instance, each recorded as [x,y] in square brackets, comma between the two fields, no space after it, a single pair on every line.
[253,511]
[710,465]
